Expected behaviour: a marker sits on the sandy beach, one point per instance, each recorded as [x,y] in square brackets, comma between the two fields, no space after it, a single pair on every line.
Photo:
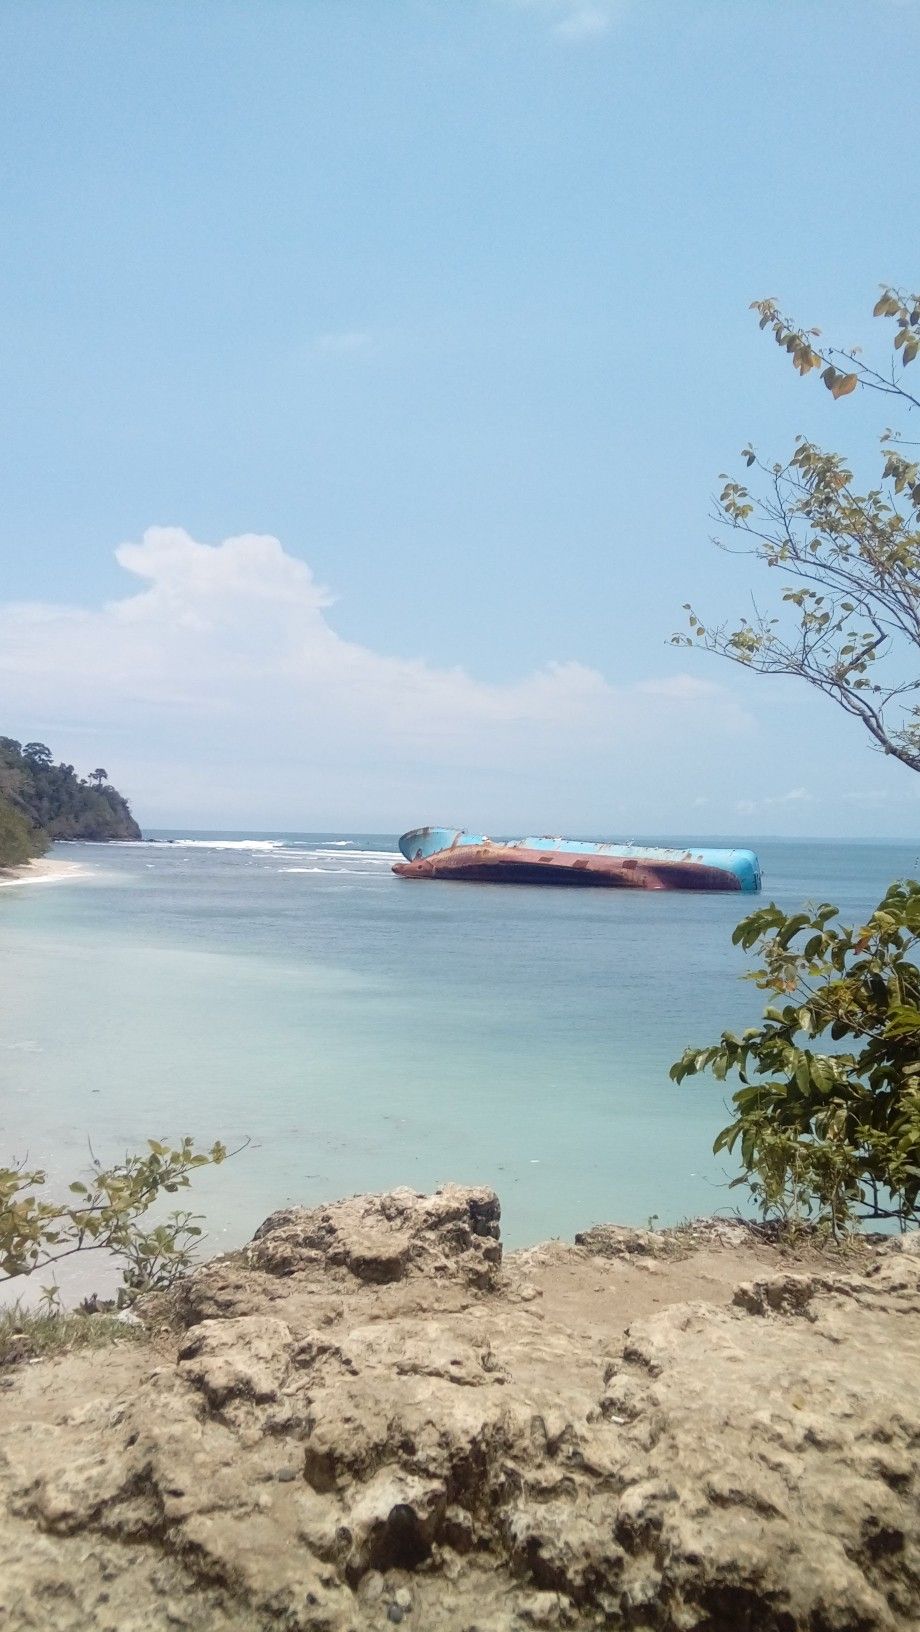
[42,871]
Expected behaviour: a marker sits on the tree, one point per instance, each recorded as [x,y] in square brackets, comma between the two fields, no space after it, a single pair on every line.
[105,1216]
[836,1134]
[849,618]
[56,803]
[19,842]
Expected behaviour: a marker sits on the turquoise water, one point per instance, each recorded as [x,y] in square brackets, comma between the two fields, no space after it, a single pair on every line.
[361,1032]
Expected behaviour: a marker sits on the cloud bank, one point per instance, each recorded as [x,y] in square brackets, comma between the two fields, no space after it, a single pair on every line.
[222,692]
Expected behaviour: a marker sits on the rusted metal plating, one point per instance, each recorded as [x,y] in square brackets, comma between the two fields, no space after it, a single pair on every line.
[567,862]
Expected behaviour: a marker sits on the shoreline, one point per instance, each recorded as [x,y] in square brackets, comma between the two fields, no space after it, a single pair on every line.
[42,870]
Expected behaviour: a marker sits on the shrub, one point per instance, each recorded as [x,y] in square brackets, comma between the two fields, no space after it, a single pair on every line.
[830,1136]
[106,1215]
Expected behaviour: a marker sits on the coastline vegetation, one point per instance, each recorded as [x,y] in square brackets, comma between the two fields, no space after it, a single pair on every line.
[834,1136]
[847,621]
[34,1334]
[105,1214]
[41,801]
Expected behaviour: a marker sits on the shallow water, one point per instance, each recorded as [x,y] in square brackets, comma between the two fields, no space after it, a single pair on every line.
[362,1032]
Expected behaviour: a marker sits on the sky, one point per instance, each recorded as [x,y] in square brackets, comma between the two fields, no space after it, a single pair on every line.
[368,373]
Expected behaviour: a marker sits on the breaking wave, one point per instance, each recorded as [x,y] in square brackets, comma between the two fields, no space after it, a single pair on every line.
[215,844]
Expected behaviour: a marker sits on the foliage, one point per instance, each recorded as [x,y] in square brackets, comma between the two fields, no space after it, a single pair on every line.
[30,1334]
[40,800]
[834,1134]
[106,1214]
[849,622]
[19,840]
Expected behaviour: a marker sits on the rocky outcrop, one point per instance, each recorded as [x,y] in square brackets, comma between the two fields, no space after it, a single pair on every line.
[365,1419]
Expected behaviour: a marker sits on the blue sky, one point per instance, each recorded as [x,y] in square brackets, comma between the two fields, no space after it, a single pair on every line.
[449,297]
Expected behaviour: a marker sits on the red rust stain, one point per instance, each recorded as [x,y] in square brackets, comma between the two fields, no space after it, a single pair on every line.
[513,864]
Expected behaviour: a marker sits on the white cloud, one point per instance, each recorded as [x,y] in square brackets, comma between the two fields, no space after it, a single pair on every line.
[584,22]
[576,20]
[223,671]
[795,796]
[677,687]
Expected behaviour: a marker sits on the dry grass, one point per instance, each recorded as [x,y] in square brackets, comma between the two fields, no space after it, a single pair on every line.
[33,1334]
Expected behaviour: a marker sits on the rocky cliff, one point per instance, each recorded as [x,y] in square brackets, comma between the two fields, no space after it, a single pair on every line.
[367,1419]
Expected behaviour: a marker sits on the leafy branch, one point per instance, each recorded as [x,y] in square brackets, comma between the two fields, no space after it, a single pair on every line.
[843,368]
[832,1134]
[848,622]
[105,1216]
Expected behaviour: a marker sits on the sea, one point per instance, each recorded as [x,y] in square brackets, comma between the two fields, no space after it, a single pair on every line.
[344,1031]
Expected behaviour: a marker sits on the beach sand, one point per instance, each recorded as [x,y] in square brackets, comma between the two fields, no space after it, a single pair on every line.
[41,871]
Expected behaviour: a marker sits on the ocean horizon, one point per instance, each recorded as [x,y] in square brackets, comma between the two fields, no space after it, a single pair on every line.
[287,994]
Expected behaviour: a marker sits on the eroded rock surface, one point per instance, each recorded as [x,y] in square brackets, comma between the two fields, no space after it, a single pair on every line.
[365,1419]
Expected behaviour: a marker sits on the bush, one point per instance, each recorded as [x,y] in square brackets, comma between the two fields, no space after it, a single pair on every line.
[830,1136]
[105,1216]
[19,841]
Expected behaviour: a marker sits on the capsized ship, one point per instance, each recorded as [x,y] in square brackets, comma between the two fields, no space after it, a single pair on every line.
[442,852]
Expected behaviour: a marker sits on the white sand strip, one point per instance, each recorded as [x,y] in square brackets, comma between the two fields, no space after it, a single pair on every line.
[42,871]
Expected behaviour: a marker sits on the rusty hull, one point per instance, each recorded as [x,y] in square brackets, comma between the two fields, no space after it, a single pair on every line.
[490,863]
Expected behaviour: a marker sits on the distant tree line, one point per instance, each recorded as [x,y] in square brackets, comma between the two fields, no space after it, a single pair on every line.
[41,801]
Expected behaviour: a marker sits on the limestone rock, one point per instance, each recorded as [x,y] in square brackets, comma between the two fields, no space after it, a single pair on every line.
[363,1420]
[619,1240]
[386,1238]
[247,1357]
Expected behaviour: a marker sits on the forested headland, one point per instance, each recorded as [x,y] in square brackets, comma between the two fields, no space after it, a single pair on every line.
[41,801]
